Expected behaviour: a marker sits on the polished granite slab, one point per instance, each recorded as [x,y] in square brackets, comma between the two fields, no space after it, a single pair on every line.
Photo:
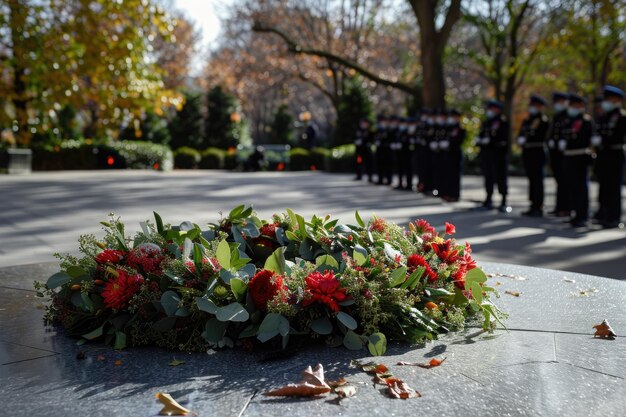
[546,363]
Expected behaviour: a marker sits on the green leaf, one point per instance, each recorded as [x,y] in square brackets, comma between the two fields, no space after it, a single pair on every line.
[359,257]
[182,312]
[198,254]
[474,275]
[165,324]
[398,276]
[327,260]
[159,222]
[377,344]
[57,280]
[120,340]
[358,218]
[437,292]
[352,341]
[322,326]
[414,279]
[188,245]
[223,254]
[273,324]
[238,287]
[94,334]
[347,320]
[176,362]
[477,292]
[214,330]
[206,305]
[76,271]
[232,312]
[276,261]
[291,236]
[249,331]
[234,213]
[170,302]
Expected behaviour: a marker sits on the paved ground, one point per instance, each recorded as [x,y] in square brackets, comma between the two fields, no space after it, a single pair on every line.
[46,212]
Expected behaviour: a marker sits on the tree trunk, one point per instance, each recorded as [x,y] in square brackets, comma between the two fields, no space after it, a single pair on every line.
[17,22]
[434,88]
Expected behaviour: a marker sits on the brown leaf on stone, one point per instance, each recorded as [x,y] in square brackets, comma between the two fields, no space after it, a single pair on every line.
[170,406]
[312,384]
[513,293]
[345,391]
[433,363]
[604,330]
[397,388]
[338,383]
[373,368]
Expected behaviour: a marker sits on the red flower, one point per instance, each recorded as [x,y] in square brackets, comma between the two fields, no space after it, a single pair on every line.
[324,288]
[422,226]
[269,230]
[378,225]
[110,256]
[415,261]
[118,291]
[450,229]
[459,278]
[146,258]
[264,286]
[445,252]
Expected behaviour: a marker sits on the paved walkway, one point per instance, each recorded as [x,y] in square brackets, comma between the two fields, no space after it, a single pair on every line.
[46,212]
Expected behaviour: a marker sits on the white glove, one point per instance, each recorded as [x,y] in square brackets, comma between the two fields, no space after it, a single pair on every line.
[444,144]
[521,140]
[358,142]
[485,141]
[596,140]
[562,145]
[434,146]
[551,144]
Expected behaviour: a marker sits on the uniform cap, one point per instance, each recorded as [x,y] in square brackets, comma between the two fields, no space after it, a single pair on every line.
[454,112]
[612,91]
[535,99]
[557,95]
[575,98]
[495,103]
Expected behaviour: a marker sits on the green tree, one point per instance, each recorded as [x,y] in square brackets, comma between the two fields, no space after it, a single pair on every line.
[186,126]
[355,105]
[150,128]
[223,124]
[282,127]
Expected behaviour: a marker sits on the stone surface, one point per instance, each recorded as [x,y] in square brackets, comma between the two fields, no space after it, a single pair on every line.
[547,363]
[45,213]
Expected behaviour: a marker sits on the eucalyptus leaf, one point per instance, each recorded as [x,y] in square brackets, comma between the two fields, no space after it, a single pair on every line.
[186,226]
[188,245]
[94,334]
[120,340]
[352,341]
[206,305]
[223,254]
[347,320]
[165,324]
[214,330]
[238,287]
[322,326]
[377,344]
[144,228]
[232,312]
[170,302]
[209,235]
[57,280]
[280,236]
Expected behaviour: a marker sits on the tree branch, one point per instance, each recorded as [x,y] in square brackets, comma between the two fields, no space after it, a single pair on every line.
[294,48]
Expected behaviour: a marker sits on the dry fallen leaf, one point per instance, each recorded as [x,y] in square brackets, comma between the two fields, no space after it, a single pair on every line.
[176,362]
[118,362]
[170,406]
[513,277]
[312,384]
[433,363]
[373,368]
[604,330]
[397,388]
[569,280]
[513,293]
[345,391]
[100,358]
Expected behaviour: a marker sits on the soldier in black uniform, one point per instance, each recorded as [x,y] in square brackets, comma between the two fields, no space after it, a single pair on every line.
[610,157]
[382,149]
[422,151]
[362,143]
[406,155]
[559,121]
[577,158]
[439,173]
[396,148]
[450,148]
[531,139]
[493,140]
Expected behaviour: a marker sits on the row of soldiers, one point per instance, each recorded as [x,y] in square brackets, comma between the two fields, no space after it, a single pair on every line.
[431,148]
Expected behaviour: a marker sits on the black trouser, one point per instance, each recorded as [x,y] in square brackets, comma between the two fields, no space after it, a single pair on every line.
[495,169]
[453,163]
[360,161]
[534,160]
[384,159]
[406,167]
[556,165]
[427,180]
[438,164]
[368,162]
[576,169]
[610,172]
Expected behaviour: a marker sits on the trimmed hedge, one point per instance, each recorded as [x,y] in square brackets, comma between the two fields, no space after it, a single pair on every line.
[212,158]
[186,158]
[86,155]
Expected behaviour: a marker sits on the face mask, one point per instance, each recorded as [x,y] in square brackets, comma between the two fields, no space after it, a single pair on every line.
[424,119]
[608,106]
[491,114]
[411,129]
[573,112]
[451,121]
[532,110]
[430,121]
[559,107]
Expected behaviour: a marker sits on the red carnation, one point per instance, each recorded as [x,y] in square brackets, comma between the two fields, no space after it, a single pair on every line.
[324,288]
[146,258]
[459,278]
[110,256]
[118,291]
[378,225]
[450,229]
[269,230]
[415,261]
[264,286]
